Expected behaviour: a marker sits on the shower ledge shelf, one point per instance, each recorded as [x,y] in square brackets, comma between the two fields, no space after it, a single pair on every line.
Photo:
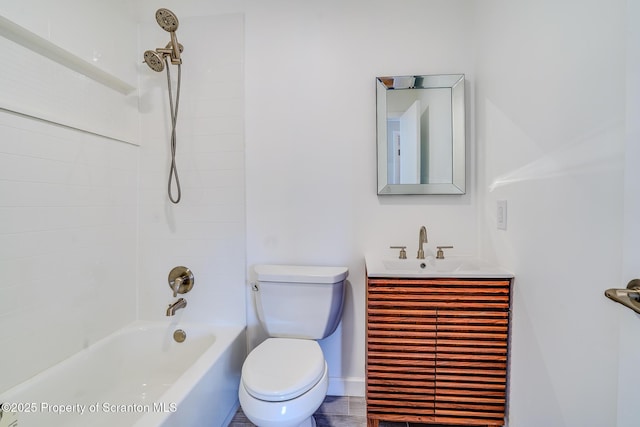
[44,47]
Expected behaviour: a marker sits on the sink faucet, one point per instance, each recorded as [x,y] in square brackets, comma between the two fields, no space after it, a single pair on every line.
[180,303]
[422,239]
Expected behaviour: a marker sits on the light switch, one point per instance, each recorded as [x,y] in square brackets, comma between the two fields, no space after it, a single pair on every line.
[501,216]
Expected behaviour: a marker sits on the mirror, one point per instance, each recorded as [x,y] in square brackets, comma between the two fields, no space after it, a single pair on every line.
[421,134]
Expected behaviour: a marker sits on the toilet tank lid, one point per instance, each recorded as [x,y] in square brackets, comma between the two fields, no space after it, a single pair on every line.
[300,273]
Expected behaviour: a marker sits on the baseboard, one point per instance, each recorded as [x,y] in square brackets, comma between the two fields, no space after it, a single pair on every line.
[351,386]
[231,414]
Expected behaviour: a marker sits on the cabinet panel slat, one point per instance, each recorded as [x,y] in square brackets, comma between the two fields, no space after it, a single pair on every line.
[445,302]
[426,385]
[392,390]
[464,342]
[459,383]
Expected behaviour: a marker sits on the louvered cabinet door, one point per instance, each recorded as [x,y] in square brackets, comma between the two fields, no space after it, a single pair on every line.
[437,350]
[471,345]
[401,348]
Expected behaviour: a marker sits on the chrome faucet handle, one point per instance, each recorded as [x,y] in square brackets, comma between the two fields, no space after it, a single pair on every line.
[403,252]
[176,286]
[440,252]
[181,280]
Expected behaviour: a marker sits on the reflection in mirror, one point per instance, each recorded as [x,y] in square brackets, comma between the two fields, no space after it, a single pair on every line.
[421,135]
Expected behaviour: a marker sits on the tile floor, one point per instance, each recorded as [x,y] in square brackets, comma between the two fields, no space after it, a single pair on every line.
[336,411]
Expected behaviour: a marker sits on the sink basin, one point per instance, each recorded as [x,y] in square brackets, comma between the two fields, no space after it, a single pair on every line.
[432,264]
[452,266]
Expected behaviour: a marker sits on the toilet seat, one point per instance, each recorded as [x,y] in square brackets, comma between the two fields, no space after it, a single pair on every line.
[282,369]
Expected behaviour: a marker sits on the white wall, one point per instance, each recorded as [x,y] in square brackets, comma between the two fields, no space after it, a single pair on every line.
[68,206]
[311,168]
[629,346]
[550,134]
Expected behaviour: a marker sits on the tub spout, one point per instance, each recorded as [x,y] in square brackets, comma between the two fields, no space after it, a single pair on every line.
[180,303]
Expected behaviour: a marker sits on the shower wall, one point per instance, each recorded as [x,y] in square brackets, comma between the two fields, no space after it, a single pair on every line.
[205,231]
[87,235]
[68,205]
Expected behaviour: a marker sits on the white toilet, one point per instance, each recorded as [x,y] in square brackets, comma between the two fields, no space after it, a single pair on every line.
[284,379]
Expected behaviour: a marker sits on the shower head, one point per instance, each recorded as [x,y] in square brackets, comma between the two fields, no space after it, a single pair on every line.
[167,20]
[154,60]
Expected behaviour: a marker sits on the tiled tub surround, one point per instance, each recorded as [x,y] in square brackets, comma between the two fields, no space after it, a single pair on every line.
[205,231]
[86,234]
[67,242]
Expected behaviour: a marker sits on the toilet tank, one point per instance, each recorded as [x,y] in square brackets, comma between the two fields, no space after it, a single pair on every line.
[294,301]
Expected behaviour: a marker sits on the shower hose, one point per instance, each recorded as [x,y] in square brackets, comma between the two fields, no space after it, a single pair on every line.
[173,172]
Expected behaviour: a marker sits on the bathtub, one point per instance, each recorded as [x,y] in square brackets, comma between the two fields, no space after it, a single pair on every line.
[137,377]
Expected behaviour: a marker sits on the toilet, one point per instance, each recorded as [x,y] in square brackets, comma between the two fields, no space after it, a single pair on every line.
[284,380]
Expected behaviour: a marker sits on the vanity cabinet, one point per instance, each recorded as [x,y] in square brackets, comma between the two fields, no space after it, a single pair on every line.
[437,350]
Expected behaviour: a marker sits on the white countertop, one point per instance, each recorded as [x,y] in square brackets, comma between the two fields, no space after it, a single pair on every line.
[430,267]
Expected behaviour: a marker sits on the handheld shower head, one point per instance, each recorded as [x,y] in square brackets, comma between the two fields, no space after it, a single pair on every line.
[158,60]
[167,20]
[154,60]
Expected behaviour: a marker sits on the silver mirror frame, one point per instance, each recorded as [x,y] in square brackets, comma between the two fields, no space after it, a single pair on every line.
[454,82]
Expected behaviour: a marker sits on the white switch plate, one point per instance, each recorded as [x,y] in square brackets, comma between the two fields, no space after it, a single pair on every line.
[501,215]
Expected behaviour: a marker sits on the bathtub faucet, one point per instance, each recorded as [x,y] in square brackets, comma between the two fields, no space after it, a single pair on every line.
[180,303]
[176,286]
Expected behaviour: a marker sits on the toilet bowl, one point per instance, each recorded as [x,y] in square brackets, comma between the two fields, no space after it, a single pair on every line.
[284,380]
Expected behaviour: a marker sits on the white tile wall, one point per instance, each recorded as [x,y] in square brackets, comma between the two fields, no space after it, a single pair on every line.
[37,86]
[206,230]
[99,32]
[68,197]
[83,222]
[67,242]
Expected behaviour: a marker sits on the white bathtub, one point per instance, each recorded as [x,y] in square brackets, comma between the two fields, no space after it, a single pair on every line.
[138,376]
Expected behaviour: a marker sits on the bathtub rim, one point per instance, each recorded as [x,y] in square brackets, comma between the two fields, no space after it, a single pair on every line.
[224,336]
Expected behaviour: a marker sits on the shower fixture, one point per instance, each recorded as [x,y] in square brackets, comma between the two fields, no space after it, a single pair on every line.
[155,58]
[158,60]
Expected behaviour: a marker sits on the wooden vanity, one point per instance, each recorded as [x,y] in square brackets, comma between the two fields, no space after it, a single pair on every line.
[437,350]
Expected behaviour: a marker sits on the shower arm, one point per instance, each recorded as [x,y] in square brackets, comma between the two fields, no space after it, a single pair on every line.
[171,51]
